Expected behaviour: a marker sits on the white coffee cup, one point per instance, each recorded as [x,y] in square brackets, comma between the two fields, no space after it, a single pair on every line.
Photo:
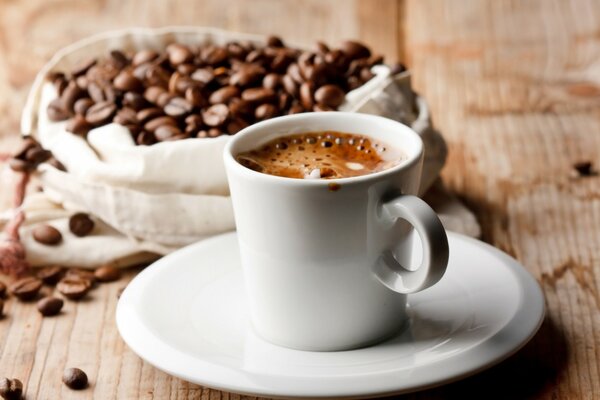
[325,266]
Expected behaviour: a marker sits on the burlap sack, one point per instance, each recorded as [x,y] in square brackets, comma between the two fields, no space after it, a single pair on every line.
[150,200]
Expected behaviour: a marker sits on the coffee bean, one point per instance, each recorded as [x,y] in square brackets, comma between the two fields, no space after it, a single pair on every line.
[71,94]
[274,41]
[366,74]
[127,82]
[322,108]
[96,92]
[296,109]
[56,164]
[1,308]
[100,113]
[322,47]
[37,155]
[223,95]
[78,125]
[178,107]
[294,72]
[330,95]
[135,101]
[2,289]
[236,125]
[272,81]
[154,124]
[73,288]
[51,274]
[290,85]
[11,389]
[265,111]
[157,76]
[83,66]
[214,55]
[240,108]
[247,75]
[56,111]
[354,49]
[179,54]
[164,98]
[49,306]
[203,75]
[19,165]
[306,95]
[46,234]
[215,115]
[284,102]
[75,378]
[118,59]
[214,132]
[148,114]
[80,224]
[166,132]
[26,289]
[145,138]
[107,273]
[144,56]
[584,168]
[82,105]
[259,95]
[194,96]
[126,116]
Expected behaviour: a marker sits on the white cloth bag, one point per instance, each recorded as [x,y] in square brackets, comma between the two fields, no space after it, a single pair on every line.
[151,200]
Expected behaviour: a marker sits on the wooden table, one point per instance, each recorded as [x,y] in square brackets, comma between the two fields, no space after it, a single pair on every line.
[514,86]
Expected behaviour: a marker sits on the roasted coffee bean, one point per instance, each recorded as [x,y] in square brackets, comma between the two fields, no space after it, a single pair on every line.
[322,47]
[145,138]
[71,94]
[101,113]
[26,289]
[223,95]
[135,101]
[82,105]
[73,288]
[154,124]
[366,74]
[215,115]
[330,95]
[1,308]
[126,116]
[247,75]
[164,98]
[107,273]
[127,82]
[157,76]
[118,59]
[78,125]
[2,289]
[265,111]
[272,81]
[148,114]
[178,107]
[259,95]
[75,378]
[322,108]
[584,168]
[166,132]
[306,95]
[26,144]
[240,108]
[56,111]
[80,224]
[203,75]
[214,132]
[274,41]
[179,54]
[37,155]
[195,97]
[19,165]
[354,49]
[236,125]
[186,69]
[214,56]
[46,234]
[294,72]
[296,109]
[96,92]
[11,389]
[51,274]
[284,102]
[144,56]
[56,164]
[49,306]
[83,66]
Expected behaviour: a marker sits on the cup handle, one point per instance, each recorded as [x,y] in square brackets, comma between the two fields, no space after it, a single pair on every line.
[435,247]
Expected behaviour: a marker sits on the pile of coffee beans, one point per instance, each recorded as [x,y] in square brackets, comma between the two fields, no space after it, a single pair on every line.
[207,90]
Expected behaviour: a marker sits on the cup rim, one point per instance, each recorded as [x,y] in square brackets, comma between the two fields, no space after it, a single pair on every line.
[231,162]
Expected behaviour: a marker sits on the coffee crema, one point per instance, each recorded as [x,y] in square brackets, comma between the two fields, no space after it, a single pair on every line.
[321,155]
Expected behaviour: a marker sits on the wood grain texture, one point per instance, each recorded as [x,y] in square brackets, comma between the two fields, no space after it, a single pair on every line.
[514,86]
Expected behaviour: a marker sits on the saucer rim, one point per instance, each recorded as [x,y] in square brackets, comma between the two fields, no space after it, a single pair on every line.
[521,328]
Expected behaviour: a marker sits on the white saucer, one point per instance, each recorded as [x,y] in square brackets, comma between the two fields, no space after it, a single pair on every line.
[186,315]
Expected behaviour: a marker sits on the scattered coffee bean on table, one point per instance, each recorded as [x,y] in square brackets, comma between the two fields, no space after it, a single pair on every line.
[81,224]
[11,389]
[85,274]
[51,274]
[107,273]
[49,306]
[26,289]
[73,288]
[46,234]
[205,90]
[583,168]
[75,378]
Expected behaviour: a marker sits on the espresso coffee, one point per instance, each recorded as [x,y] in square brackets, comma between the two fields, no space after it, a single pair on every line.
[321,155]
